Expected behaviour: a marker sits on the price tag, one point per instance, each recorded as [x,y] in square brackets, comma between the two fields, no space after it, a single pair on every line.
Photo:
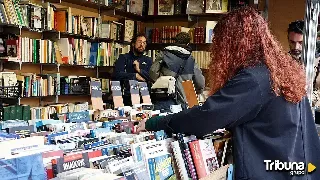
[96,91]
[134,87]
[143,89]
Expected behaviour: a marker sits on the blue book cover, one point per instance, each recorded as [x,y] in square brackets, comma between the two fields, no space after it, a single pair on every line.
[23,168]
[93,54]
[162,168]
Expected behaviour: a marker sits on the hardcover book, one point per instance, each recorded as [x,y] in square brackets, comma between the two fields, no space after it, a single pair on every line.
[25,167]
[70,162]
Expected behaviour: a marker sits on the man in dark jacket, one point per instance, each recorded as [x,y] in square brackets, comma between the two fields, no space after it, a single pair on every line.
[133,66]
[177,61]
[295,39]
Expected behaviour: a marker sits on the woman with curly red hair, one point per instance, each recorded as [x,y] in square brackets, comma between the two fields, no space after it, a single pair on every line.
[258,92]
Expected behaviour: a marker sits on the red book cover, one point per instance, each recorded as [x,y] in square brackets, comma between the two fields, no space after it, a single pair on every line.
[203,34]
[197,159]
[163,35]
[49,171]
[172,34]
[196,35]
[175,31]
[94,154]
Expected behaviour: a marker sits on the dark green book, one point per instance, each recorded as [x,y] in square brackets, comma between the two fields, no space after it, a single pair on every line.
[26,113]
[6,113]
[13,112]
[19,112]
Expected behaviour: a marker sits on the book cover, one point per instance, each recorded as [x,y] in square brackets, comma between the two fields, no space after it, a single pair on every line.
[197,159]
[129,30]
[216,6]
[136,6]
[209,30]
[161,168]
[165,7]
[195,7]
[70,162]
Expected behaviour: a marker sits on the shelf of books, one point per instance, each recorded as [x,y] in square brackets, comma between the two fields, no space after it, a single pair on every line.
[60,111]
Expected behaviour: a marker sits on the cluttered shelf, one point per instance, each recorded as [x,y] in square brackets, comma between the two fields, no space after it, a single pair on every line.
[53,34]
[116,12]
[11,63]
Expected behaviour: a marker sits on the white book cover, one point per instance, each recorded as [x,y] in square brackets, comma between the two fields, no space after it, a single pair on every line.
[209,30]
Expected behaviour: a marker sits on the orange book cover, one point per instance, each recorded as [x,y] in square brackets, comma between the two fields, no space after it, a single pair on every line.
[61,19]
[190,93]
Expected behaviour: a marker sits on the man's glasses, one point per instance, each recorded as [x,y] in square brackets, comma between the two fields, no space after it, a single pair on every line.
[142,42]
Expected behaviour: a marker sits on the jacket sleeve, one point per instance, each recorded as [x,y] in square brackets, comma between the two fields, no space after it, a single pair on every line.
[198,79]
[119,72]
[237,102]
[156,67]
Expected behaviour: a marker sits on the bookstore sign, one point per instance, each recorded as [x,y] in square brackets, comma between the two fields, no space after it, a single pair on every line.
[294,168]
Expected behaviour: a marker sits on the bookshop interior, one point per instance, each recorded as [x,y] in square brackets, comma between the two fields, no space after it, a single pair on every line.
[159,90]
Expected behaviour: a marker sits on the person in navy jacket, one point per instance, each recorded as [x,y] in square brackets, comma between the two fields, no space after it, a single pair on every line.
[133,66]
[259,94]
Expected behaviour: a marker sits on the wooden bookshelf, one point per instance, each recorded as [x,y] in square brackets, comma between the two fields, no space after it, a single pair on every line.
[90,9]
[114,12]
[76,2]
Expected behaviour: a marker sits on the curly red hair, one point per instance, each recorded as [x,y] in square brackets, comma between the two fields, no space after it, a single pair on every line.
[242,39]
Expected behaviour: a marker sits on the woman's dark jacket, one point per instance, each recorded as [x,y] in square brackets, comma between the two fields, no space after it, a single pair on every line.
[264,126]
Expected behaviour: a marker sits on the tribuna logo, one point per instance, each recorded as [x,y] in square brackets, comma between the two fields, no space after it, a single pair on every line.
[284,166]
[73,164]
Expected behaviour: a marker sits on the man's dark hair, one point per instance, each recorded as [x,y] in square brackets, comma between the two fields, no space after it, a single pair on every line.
[134,39]
[296,27]
[183,38]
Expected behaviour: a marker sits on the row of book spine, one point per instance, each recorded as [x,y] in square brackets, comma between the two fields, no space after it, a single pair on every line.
[202,58]
[64,51]
[167,34]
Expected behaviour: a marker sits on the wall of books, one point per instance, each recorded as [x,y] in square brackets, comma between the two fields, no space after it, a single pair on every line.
[60,113]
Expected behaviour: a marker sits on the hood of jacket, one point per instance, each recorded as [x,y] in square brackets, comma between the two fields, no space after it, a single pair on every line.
[175,56]
[181,51]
